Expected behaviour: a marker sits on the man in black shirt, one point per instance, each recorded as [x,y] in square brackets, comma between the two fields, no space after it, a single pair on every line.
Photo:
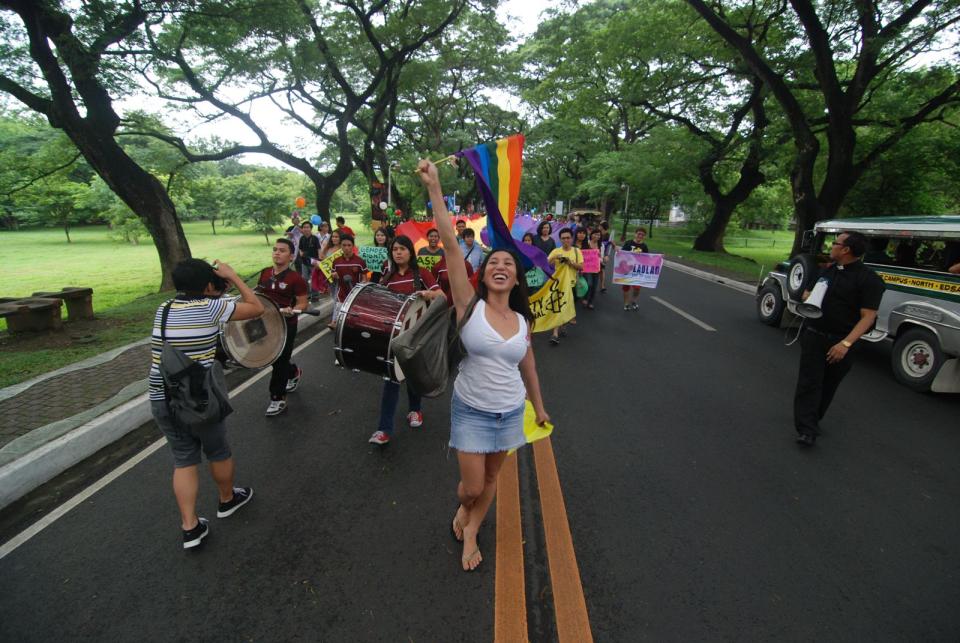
[849,310]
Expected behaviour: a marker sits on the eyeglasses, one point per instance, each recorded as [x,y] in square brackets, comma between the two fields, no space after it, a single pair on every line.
[839,243]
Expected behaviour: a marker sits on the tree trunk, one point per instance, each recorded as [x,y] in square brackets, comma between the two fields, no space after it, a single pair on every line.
[213,224]
[711,239]
[141,191]
[66,231]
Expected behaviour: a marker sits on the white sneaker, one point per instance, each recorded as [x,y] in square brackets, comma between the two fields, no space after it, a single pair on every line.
[294,381]
[379,437]
[276,407]
[415,419]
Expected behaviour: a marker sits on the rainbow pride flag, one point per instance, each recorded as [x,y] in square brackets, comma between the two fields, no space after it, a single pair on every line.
[498,167]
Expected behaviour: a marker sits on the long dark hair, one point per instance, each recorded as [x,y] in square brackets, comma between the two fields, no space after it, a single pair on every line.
[404,241]
[519,301]
[585,243]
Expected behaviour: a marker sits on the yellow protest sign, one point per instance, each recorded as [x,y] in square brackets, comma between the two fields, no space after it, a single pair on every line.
[531,430]
[552,304]
[428,261]
[326,265]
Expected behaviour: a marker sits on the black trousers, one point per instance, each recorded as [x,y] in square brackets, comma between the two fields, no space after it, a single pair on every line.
[818,380]
[283,368]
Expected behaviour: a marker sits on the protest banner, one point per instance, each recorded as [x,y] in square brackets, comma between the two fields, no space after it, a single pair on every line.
[535,278]
[427,261]
[552,304]
[591,261]
[637,268]
[374,256]
[326,266]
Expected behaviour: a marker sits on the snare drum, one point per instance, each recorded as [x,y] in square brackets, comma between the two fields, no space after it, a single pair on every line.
[257,342]
[370,318]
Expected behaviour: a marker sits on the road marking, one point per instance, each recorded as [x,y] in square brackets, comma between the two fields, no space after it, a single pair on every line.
[570,607]
[510,601]
[34,529]
[685,315]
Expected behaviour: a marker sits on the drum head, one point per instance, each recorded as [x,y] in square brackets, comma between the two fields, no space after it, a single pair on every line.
[258,342]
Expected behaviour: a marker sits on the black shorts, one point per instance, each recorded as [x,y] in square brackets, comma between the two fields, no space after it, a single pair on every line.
[186,443]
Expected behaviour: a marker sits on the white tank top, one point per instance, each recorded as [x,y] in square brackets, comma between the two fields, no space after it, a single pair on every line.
[489,378]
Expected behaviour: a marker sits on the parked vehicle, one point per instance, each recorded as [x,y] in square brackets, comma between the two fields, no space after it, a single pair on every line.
[920,310]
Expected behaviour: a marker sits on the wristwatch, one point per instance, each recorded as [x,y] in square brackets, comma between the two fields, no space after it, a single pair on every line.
[846,343]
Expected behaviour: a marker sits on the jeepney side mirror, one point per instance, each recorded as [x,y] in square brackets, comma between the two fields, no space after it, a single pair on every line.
[806,243]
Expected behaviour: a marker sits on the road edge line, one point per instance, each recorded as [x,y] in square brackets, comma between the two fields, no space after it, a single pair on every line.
[570,606]
[510,601]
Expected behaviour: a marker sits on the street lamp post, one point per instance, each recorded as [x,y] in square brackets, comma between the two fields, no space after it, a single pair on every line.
[626,204]
[389,185]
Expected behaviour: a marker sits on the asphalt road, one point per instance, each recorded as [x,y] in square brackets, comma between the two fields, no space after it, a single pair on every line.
[694,515]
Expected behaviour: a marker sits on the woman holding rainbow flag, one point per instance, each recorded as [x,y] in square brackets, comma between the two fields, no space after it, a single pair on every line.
[496,376]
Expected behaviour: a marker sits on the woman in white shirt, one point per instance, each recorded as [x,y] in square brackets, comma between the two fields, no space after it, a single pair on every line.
[496,376]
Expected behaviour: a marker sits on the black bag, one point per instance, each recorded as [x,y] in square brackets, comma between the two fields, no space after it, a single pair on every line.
[196,395]
[421,351]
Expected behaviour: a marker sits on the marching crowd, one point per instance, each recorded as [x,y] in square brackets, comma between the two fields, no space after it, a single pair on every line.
[487,288]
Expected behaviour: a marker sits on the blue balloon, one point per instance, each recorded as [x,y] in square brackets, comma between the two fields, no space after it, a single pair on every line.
[315,219]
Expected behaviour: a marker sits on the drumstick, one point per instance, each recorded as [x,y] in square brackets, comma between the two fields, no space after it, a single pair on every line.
[452,159]
[315,313]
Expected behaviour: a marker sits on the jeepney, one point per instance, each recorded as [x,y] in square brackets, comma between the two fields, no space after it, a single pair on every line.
[920,310]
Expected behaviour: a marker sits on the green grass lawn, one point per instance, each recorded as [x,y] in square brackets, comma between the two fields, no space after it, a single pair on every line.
[124,278]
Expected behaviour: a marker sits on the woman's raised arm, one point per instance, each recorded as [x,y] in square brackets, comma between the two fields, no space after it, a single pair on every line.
[460,288]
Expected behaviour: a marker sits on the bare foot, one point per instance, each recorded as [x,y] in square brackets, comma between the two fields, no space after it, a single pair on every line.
[471,557]
[458,519]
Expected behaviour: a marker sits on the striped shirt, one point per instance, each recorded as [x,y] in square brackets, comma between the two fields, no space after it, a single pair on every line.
[193,326]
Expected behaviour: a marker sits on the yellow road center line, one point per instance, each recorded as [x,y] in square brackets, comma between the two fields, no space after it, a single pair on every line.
[510,602]
[573,623]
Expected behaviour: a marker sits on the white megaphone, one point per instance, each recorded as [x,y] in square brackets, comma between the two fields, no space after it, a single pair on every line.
[811,307]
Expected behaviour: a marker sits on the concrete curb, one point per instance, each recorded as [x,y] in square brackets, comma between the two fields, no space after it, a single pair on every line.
[47,451]
[709,276]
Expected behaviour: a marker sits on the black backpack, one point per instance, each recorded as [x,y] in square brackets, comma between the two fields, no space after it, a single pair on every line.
[196,395]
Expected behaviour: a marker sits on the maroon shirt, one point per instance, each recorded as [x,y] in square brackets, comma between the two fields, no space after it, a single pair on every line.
[283,288]
[440,274]
[353,268]
[404,285]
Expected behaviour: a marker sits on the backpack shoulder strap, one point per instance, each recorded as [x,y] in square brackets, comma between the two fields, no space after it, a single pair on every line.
[163,320]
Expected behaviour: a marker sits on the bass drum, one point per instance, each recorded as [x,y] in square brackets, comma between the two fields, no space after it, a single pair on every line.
[370,318]
[257,342]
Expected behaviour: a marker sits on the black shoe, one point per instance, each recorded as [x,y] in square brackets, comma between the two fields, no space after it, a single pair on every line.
[806,439]
[555,340]
[241,496]
[192,537]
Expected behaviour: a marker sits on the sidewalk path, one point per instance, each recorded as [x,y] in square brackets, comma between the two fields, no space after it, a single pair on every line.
[63,396]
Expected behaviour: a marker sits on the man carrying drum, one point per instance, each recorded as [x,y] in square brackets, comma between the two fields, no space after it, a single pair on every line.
[288,290]
[349,269]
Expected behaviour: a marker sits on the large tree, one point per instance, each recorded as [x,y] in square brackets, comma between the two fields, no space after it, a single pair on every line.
[331,67]
[843,54]
[59,65]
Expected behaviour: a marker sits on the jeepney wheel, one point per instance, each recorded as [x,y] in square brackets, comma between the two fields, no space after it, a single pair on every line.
[770,305]
[916,358]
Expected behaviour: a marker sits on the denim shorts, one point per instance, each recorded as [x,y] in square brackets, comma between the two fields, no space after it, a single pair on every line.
[476,431]
[186,443]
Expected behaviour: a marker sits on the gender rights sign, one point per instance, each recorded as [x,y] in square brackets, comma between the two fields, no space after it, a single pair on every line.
[637,269]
